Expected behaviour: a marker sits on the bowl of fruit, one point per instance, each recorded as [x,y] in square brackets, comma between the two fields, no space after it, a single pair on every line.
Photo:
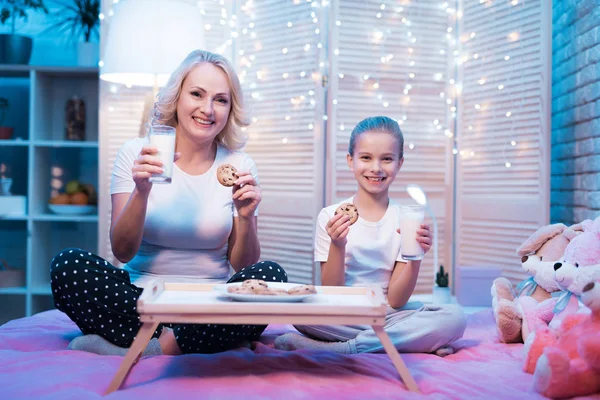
[77,199]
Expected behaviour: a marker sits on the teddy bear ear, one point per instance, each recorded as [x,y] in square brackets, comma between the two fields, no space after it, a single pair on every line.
[587,225]
[539,237]
[596,225]
[575,229]
[570,233]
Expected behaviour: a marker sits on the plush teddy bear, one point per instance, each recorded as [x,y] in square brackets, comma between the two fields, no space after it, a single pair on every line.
[538,255]
[570,365]
[550,311]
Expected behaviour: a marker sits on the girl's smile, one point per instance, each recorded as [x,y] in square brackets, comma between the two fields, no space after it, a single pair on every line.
[375,179]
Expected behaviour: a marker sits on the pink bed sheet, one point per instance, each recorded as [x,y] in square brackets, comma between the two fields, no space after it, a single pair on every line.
[34,363]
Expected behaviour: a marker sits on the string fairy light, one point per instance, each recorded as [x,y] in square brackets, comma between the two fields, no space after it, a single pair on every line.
[394,28]
[512,37]
[486,109]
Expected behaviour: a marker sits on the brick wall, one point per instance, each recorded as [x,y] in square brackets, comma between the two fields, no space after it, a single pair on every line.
[575,168]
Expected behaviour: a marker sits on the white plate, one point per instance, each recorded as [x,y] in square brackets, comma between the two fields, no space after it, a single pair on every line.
[265,298]
[71,209]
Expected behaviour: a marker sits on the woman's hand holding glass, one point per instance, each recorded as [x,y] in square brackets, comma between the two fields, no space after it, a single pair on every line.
[146,165]
[246,195]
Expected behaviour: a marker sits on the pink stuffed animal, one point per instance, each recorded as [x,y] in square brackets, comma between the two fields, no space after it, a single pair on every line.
[570,366]
[552,311]
[529,304]
[580,265]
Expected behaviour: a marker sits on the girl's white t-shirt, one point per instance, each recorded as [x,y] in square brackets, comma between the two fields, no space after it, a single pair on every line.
[188,222]
[372,248]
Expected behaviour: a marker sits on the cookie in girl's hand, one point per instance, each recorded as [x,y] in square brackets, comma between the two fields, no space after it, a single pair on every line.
[227,174]
[348,209]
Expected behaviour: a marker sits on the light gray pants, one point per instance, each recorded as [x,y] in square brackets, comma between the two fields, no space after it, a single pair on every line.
[414,328]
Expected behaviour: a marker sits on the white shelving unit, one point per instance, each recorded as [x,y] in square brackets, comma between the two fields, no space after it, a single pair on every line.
[38,154]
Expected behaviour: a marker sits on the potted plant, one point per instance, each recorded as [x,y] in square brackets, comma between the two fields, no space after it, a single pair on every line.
[82,19]
[441,291]
[5,131]
[16,49]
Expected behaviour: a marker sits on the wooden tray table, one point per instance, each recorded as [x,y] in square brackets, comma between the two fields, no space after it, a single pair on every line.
[164,302]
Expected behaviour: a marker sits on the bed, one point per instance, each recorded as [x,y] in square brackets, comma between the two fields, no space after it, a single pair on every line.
[34,363]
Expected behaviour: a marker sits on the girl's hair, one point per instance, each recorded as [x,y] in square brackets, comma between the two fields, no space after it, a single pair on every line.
[165,108]
[380,124]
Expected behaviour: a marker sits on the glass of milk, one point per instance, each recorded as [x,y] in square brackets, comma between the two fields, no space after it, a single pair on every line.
[411,218]
[163,138]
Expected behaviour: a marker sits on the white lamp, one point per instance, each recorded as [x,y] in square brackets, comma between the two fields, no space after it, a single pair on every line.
[418,194]
[147,40]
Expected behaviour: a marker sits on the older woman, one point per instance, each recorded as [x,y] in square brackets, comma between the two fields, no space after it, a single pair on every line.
[193,229]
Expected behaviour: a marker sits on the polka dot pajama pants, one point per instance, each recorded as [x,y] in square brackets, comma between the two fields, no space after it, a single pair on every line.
[101,300]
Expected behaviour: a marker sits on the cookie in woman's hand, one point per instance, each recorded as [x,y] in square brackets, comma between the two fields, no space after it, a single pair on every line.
[350,210]
[227,174]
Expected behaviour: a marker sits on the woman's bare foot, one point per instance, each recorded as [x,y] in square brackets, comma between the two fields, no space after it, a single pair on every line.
[168,343]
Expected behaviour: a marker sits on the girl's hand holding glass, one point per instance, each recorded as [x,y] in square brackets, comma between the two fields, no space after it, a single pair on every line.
[338,228]
[423,237]
[246,195]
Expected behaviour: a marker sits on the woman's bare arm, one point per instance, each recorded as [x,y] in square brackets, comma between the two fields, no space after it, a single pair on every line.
[127,223]
[244,248]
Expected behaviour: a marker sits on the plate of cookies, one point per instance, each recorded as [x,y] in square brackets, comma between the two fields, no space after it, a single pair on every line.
[273,292]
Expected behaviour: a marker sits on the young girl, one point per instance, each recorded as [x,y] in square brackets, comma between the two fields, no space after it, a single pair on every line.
[368,252]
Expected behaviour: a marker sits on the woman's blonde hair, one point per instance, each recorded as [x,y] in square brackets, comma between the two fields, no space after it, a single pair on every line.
[165,108]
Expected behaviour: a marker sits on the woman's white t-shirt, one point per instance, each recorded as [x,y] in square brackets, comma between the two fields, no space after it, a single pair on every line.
[188,222]
[372,248]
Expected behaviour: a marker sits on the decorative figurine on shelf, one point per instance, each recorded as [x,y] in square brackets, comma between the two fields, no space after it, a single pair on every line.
[10,276]
[441,291]
[6,132]
[5,180]
[10,204]
[75,119]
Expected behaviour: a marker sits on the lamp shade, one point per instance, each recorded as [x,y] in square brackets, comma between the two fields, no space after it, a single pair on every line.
[417,193]
[148,39]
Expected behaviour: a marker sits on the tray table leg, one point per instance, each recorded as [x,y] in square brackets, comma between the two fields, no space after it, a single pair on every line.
[137,347]
[390,349]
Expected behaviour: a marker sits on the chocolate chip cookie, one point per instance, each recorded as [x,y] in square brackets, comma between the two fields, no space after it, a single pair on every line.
[254,282]
[348,209]
[302,289]
[227,174]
